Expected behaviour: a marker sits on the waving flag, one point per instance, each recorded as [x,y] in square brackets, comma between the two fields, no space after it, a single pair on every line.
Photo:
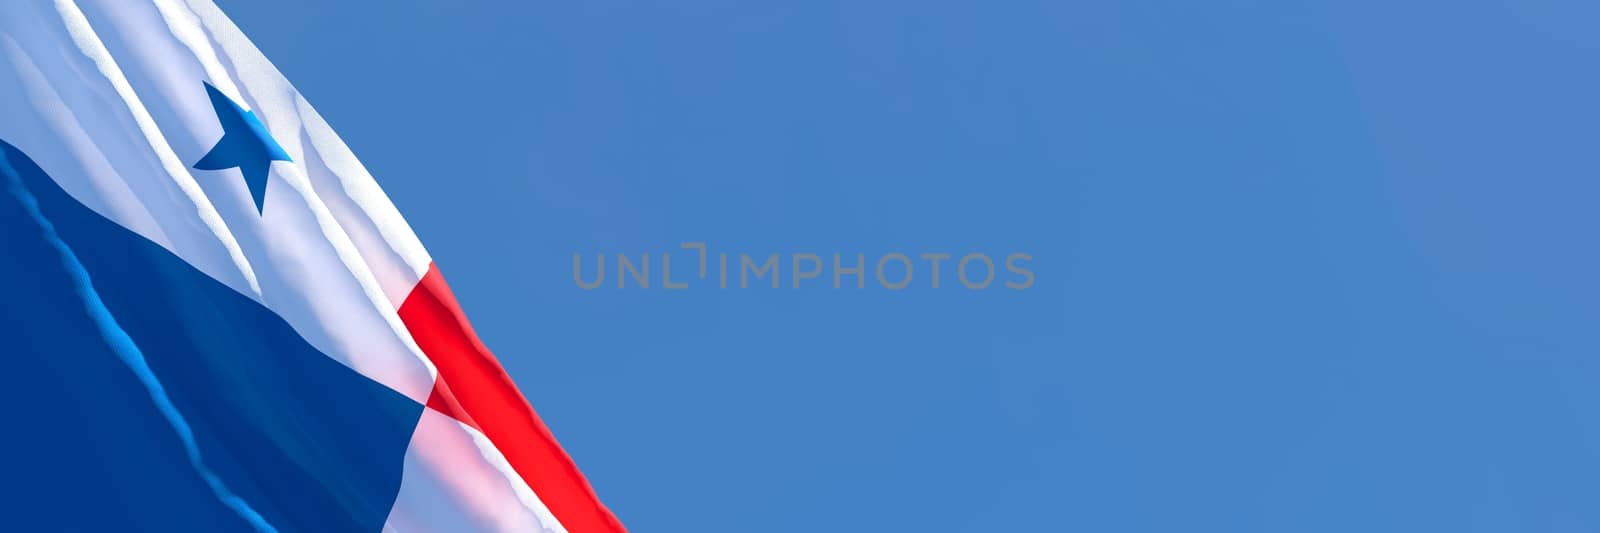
[215,320]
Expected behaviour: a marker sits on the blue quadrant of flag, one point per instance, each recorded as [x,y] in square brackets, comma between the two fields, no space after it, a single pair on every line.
[305,442]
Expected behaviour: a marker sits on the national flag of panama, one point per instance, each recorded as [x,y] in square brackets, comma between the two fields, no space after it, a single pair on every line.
[213,318]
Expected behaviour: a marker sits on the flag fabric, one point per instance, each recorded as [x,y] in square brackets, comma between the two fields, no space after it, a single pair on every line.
[215,320]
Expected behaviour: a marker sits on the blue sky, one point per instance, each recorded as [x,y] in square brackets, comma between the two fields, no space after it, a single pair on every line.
[1301,266]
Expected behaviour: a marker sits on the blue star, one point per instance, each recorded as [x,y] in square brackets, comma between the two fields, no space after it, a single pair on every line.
[245,145]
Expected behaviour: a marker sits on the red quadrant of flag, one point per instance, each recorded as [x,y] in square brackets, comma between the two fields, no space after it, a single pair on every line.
[472,387]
